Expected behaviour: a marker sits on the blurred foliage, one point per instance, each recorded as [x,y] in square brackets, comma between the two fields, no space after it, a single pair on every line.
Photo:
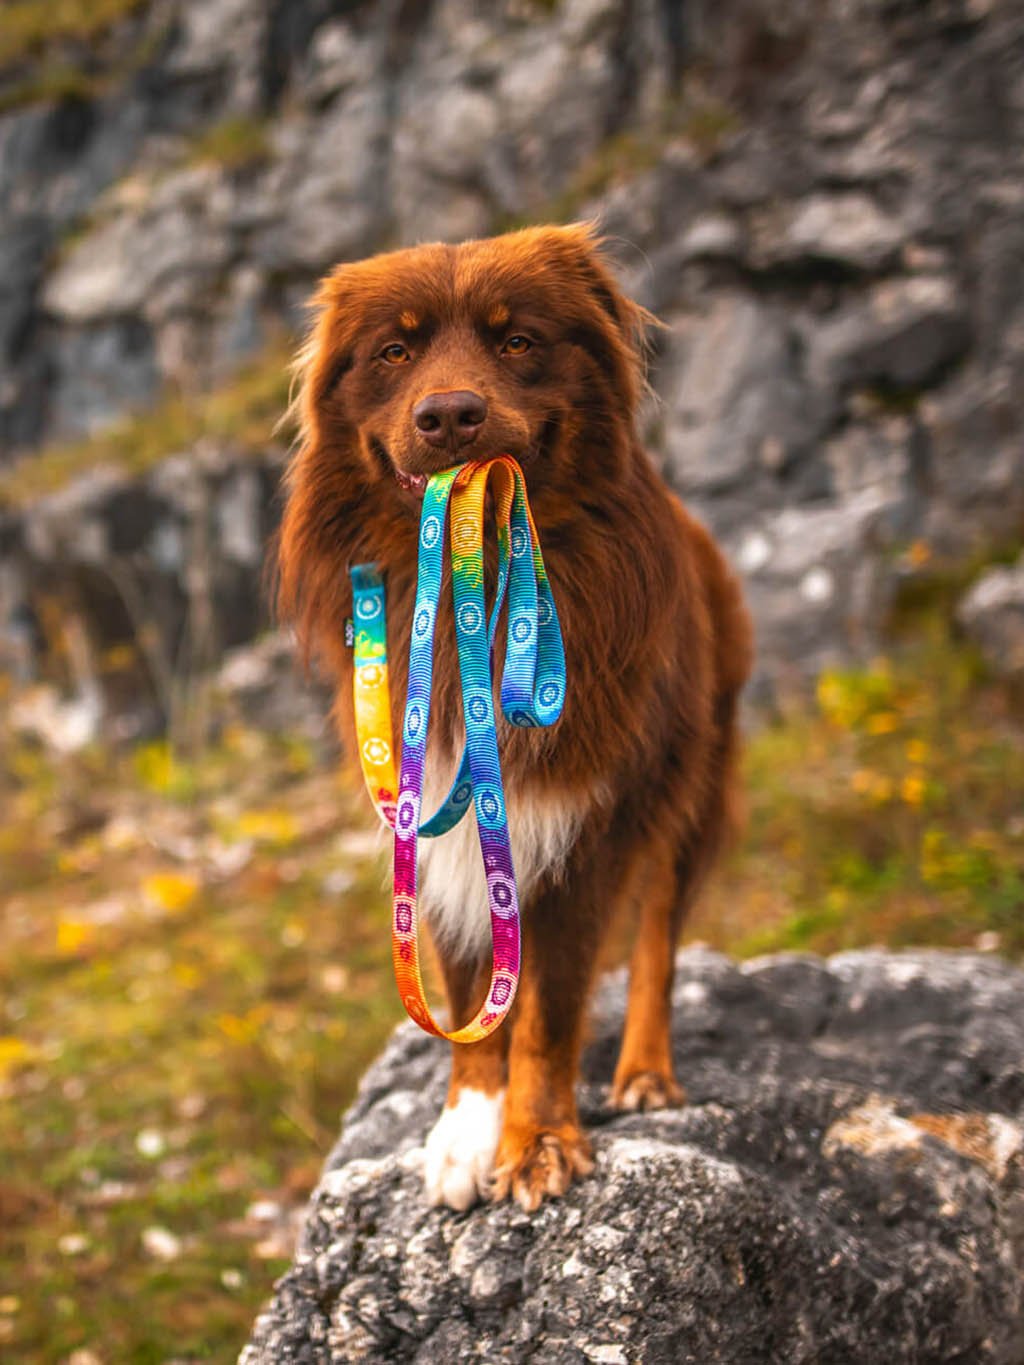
[51,80]
[196,969]
[29,26]
[242,414]
[48,49]
[889,813]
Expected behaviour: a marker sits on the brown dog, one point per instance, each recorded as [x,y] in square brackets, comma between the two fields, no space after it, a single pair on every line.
[524,345]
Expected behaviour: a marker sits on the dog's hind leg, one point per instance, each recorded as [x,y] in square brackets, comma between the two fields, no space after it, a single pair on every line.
[644,1077]
[672,874]
[461,1147]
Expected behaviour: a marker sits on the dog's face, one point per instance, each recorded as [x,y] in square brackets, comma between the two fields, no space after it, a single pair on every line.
[519,345]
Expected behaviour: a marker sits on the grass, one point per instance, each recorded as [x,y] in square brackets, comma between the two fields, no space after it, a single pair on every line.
[242,412]
[47,49]
[196,970]
[192,986]
[234,144]
[890,812]
[52,80]
[29,26]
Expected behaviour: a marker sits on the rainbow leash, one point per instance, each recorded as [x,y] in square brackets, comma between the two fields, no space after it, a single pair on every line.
[532,694]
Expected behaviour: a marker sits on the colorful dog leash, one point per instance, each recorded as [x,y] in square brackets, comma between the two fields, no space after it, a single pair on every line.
[532,694]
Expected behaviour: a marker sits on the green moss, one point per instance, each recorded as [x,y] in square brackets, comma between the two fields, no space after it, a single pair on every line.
[234,143]
[27,27]
[53,80]
[692,117]
[706,123]
[52,50]
[243,412]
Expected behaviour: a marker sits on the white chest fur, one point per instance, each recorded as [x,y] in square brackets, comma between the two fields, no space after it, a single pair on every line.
[453,893]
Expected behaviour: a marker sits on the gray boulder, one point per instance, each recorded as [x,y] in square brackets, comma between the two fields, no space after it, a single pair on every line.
[846,1184]
[904,338]
[992,615]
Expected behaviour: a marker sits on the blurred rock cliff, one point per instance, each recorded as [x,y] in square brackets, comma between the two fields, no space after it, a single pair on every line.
[824,202]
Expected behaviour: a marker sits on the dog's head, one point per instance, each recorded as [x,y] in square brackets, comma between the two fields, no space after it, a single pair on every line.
[520,345]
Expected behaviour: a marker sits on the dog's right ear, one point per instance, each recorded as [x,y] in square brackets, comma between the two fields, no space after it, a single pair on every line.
[325,356]
[321,485]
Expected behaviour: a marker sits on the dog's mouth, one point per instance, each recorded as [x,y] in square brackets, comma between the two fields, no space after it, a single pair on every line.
[412,483]
[415,484]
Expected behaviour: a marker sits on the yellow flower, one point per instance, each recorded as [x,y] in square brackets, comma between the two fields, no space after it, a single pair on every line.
[916,751]
[154,766]
[832,698]
[171,891]
[73,935]
[14,1053]
[912,789]
[243,1028]
[268,826]
[882,723]
[862,781]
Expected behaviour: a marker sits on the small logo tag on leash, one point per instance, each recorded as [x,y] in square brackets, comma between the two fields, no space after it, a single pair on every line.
[350,632]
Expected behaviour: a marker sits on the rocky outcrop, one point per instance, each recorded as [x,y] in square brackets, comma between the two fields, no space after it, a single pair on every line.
[824,207]
[846,1184]
[992,615]
[166,569]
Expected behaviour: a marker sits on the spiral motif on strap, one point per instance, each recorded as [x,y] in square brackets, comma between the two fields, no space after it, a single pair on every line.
[470,618]
[413,722]
[370,607]
[430,532]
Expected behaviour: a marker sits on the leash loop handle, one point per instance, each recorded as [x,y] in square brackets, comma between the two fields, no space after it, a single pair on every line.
[532,693]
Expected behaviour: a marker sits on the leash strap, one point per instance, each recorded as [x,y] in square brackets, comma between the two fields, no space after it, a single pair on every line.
[532,694]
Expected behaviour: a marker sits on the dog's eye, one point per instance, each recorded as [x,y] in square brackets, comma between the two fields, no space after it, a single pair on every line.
[517,345]
[395,354]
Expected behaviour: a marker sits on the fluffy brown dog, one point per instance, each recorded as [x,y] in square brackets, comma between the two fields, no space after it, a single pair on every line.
[524,345]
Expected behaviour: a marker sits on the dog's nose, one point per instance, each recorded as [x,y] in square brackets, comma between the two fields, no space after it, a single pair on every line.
[450,419]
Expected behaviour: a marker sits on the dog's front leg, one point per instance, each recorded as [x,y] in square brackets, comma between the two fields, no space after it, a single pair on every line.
[542,1147]
[460,1151]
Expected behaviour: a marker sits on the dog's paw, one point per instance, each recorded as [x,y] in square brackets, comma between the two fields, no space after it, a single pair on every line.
[532,1165]
[646,1090]
[460,1151]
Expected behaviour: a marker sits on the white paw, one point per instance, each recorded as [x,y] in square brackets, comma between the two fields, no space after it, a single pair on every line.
[460,1150]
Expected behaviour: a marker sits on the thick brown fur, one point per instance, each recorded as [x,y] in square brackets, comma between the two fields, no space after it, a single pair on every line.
[657,639]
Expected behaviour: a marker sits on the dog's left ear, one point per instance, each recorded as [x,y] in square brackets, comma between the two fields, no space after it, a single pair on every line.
[585,249]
